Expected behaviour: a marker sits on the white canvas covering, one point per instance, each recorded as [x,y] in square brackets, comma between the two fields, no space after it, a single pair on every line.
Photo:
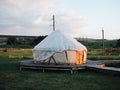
[54,43]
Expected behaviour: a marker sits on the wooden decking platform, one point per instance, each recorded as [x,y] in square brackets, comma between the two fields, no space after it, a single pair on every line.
[94,65]
[30,65]
[100,66]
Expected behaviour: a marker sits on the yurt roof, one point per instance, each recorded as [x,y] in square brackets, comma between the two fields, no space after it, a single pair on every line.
[58,41]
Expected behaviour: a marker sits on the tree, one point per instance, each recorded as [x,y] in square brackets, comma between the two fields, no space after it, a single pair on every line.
[118,43]
[38,39]
[11,41]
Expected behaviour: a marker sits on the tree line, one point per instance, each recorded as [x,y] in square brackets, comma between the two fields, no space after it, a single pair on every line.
[13,41]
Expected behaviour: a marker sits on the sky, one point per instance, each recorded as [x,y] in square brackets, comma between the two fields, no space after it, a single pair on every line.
[78,18]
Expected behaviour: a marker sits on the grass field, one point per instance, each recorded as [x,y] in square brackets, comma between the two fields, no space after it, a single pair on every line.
[11,78]
[93,54]
[99,54]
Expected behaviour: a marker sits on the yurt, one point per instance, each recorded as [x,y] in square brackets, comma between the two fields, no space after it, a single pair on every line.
[59,48]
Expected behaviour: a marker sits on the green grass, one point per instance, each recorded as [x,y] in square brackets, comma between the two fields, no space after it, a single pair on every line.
[11,78]
[16,53]
[99,54]
[104,57]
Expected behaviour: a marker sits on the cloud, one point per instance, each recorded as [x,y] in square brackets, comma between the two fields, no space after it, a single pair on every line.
[21,8]
[71,23]
[37,4]
[27,4]
[12,3]
[34,17]
[67,22]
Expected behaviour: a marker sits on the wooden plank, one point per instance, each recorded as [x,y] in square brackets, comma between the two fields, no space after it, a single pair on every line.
[110,69]
[96,65]
[28,64]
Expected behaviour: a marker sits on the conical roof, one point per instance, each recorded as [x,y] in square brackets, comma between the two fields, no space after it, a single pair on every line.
[57,41]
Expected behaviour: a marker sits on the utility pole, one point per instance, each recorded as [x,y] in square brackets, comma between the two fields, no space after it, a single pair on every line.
[53,23]
[103,39]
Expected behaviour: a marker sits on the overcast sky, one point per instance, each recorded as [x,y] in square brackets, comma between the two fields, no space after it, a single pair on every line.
[78,18]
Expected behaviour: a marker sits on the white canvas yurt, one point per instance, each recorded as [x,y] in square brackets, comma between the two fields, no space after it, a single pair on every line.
[60,49]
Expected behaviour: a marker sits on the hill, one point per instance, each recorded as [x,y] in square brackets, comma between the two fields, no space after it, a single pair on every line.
[97,43]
